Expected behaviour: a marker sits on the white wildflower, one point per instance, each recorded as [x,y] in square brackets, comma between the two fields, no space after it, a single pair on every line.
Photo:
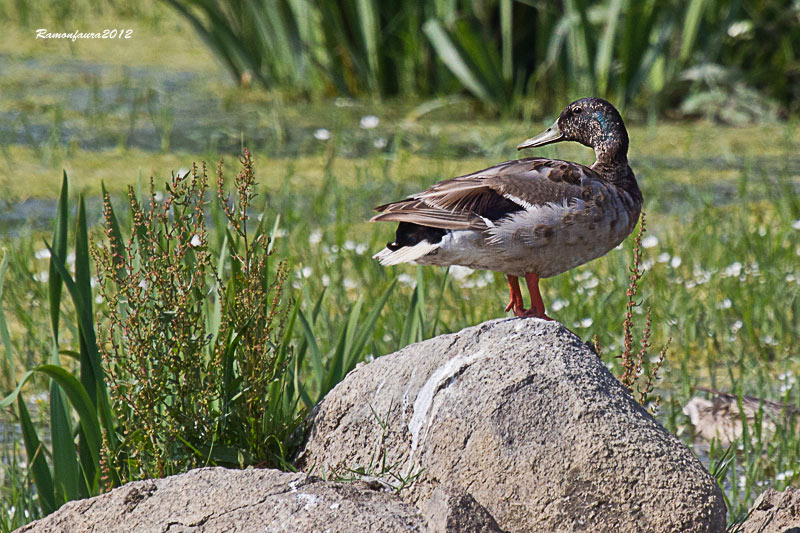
[663,257]
[558,305]
[326,280]
[796,224]
[733,270]
[650,241]
[407,279]
[586,322]
[725,304]
[742,478]
[196,241]
[740,28]
[369,122]
[322,134]
[315,237]
[350,284]
[44,253]
[380,143]
[675,262]
[459,272]
[591,283]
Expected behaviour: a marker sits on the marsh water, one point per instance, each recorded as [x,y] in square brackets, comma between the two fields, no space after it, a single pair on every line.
[96,111]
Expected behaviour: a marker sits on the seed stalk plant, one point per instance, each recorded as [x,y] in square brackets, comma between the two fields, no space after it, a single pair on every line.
[639,375]
[195,351]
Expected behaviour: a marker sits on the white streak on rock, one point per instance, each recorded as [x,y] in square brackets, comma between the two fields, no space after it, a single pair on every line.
[427,393]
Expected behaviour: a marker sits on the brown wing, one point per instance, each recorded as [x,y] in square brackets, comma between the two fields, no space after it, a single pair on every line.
[466,201]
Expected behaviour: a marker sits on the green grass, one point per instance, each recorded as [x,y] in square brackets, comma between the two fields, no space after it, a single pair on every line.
[722,281]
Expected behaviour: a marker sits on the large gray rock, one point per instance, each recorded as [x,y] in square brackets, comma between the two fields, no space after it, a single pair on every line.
[525,418]
[210,500]
[774,512]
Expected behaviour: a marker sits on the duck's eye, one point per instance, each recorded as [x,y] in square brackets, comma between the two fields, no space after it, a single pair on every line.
[577,110]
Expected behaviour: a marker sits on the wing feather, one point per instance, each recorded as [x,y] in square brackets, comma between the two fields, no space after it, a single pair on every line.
[466,202]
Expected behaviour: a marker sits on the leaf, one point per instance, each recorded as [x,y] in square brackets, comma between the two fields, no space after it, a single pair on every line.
[691,26]
[605,47]
[36,460]
[4,335]
[368,20]
[65,463]
[60,245]
[92,382]
[317,369]
[453,59]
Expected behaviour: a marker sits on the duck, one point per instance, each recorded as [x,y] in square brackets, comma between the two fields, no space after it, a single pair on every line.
[721,418]
[528,218]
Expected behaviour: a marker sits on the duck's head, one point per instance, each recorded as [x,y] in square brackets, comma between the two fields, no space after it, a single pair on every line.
[593,122]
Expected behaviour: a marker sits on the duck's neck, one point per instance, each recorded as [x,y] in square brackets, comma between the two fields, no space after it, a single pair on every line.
[612,164]
[612,156]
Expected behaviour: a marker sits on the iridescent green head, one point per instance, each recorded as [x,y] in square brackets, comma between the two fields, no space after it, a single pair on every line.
[592,122]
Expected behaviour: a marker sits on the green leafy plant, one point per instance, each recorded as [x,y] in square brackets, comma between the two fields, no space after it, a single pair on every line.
[69,469]
[195,351]
[510,55]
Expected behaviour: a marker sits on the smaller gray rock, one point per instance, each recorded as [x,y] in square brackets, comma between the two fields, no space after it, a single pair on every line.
[774,512]
[211,500]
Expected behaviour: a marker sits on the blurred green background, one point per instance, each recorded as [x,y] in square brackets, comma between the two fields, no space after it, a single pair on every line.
[349,104]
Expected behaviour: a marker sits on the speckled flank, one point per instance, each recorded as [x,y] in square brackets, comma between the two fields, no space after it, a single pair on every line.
[546,240]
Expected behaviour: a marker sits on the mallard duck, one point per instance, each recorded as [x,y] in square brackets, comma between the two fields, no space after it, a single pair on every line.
[532,217]
[721,417]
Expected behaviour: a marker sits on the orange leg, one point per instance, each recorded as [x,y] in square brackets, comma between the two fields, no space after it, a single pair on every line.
[515,296]
[537,305]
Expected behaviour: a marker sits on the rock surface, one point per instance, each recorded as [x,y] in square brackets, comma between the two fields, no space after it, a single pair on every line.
[774,512]
[524,417]
[212,500]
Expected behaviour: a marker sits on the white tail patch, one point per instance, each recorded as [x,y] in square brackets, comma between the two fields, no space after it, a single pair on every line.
[405,254]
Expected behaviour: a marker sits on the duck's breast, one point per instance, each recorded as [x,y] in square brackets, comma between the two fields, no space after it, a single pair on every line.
[553,238]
